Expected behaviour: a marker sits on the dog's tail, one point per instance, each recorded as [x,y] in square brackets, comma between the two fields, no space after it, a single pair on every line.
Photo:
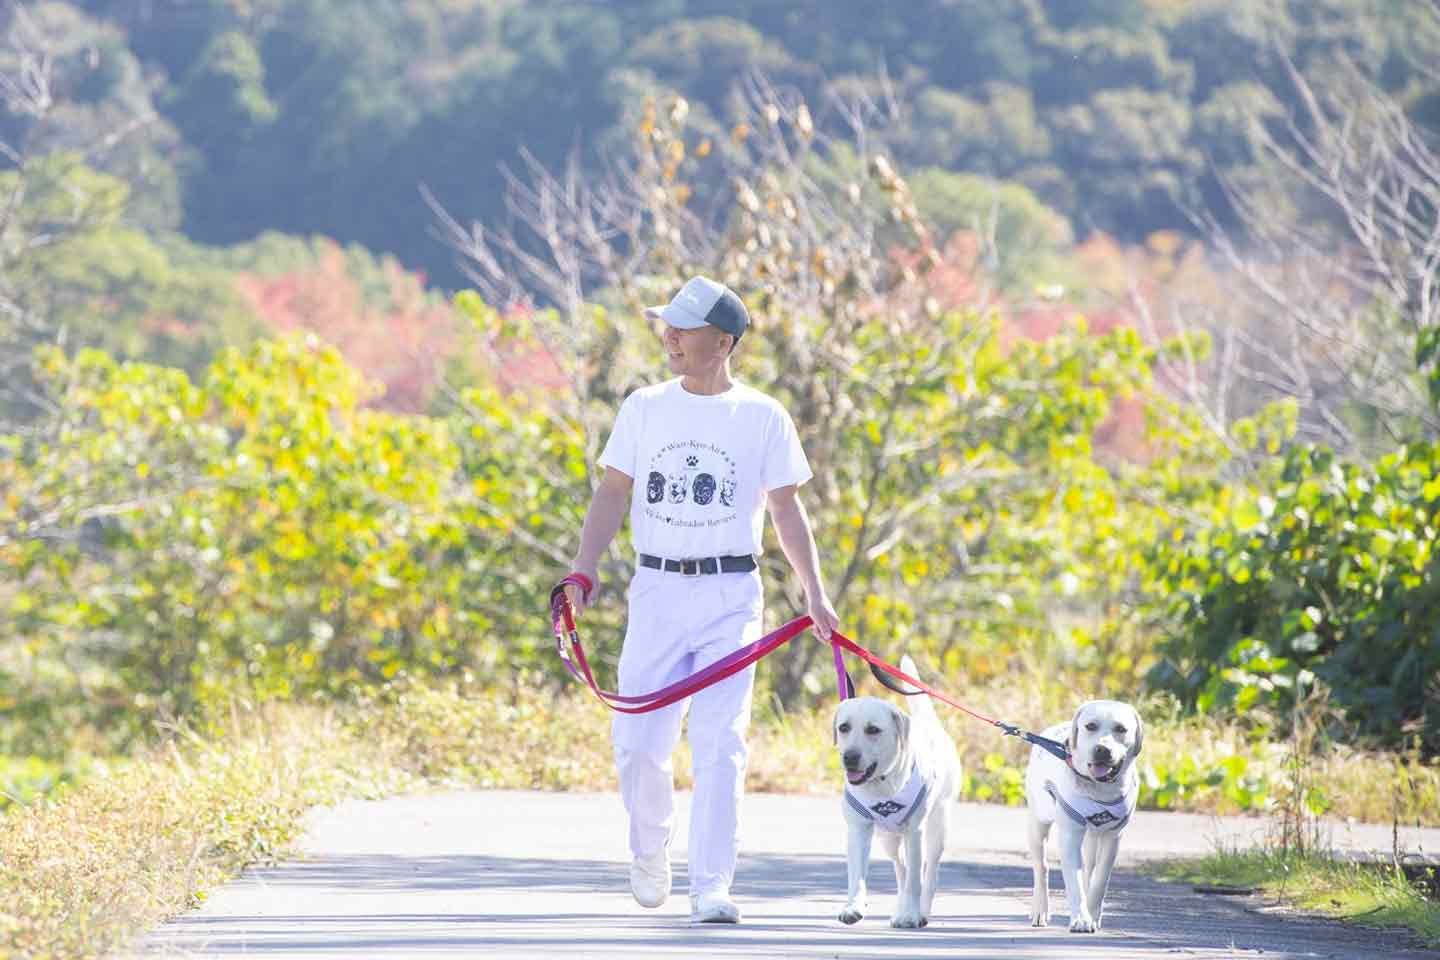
[920,703]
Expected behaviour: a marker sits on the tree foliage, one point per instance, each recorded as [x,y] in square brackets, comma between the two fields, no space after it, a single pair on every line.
[309,515]
[258,533]
[1111,112]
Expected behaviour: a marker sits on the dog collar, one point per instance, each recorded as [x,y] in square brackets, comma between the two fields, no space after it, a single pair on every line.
[892,813]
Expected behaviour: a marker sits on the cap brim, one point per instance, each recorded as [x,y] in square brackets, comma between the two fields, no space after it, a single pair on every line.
[675,318]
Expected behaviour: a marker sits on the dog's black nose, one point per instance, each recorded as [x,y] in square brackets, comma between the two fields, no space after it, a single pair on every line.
[851,759]
[1103,754]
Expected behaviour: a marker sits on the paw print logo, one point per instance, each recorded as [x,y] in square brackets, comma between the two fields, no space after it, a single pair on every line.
[692,461]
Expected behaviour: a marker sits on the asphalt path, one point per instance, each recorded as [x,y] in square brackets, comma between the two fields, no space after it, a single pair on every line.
[506,874]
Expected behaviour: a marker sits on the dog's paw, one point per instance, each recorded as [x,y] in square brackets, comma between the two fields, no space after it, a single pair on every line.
[851,915]
[908,920]
[1083,924]
[1039,918]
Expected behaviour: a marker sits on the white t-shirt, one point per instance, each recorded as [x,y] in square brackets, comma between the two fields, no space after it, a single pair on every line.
[702,466]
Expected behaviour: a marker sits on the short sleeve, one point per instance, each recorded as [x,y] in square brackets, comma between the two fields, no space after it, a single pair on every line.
[621,450]
[785,462]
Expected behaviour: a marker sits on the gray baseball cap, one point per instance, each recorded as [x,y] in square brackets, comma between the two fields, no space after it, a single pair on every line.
[704,301]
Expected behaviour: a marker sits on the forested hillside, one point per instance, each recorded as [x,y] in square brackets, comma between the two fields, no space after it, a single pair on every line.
[324,116]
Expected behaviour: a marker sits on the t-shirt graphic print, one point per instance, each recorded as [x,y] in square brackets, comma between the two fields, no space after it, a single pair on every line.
[689,471]
[702,466]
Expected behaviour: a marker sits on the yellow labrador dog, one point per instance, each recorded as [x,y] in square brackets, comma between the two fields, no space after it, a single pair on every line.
[1091,798]
[902,773]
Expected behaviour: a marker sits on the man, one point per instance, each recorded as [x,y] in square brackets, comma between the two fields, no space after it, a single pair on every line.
[711,455]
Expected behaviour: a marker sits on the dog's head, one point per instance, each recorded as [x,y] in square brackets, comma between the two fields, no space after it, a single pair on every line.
[873,737]
[1105,737]
[678,485]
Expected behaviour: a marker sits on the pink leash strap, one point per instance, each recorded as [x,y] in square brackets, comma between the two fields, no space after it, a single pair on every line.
[566,634]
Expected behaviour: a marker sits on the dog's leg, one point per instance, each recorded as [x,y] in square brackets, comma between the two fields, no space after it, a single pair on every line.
[907,904]
[857,863]
[1100,857]
[935,833]
[1087,864]
[890,843]
[1072,840]
[1040,900]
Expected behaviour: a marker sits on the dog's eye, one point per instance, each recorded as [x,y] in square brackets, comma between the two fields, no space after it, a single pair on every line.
[1120,730]
[871,730]
[843,728]
[1092,726]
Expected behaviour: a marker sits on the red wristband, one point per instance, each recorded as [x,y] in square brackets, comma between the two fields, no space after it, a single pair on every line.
[585,584]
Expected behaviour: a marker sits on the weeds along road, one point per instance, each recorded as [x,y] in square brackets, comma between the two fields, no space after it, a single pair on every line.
[504,874]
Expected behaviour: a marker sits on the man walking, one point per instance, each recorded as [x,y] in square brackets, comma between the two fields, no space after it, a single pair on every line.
[711,455]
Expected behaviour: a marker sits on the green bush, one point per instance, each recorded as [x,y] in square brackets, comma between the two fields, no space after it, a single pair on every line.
[1329,573]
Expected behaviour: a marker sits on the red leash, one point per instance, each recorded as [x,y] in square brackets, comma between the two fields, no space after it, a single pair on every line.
[562,618]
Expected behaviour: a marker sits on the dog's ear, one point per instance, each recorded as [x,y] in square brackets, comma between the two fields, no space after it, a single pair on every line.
[835,722]
[1073,741]
[902,725]
[1139,736]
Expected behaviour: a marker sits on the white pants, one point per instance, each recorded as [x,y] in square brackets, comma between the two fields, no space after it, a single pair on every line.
[678,625]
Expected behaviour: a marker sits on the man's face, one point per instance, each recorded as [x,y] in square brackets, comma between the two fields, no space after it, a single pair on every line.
[697,351]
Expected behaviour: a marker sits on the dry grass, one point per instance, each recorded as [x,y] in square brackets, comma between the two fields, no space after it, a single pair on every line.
[85,869]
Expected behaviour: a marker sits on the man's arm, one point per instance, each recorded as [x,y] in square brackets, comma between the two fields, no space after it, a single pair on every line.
[602,521]
[792,526]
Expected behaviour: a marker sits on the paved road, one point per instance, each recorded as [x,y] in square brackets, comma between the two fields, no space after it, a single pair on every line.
[515,874]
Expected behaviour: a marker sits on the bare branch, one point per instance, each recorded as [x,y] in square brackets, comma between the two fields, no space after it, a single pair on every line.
[1343,303]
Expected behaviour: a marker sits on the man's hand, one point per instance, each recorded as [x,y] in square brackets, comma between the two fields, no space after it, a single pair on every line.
[575,595]
[824,615]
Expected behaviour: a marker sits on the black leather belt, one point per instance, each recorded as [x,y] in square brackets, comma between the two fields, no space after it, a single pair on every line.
[693,568]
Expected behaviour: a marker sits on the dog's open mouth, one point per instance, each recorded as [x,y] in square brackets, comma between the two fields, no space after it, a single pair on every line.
[860,776]
[1103,772]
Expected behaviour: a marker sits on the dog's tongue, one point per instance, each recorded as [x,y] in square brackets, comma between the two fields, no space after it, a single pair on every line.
[1100,771]
[855,776]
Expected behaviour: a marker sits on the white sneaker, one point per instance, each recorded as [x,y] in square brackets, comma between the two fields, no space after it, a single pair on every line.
[716,907]
[650,879]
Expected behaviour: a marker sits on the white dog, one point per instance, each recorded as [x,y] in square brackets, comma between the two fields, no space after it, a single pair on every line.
[1092,798]
[902,774]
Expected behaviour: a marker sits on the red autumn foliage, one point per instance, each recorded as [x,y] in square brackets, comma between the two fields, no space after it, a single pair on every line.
[397,337]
